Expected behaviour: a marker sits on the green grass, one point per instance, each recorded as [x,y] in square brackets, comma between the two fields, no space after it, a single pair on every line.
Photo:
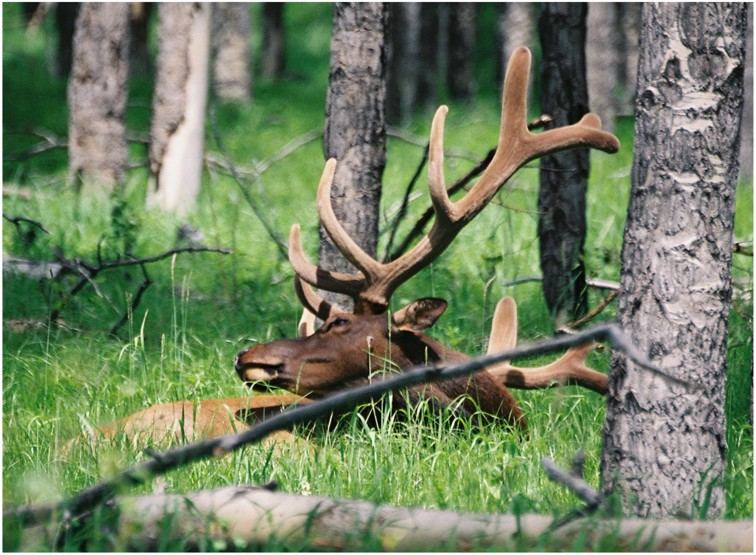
[202,309]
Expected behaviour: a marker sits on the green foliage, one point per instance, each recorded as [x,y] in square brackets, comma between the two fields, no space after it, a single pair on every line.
[202,309]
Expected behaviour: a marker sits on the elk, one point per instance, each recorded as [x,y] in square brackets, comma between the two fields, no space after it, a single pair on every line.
[351,346]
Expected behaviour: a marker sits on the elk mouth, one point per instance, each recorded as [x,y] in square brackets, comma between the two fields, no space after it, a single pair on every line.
[258,372]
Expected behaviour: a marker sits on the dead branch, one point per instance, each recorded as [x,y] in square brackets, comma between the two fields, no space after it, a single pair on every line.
[574,483]
[411,139]
[253,517]
[743,247]
[18,220]
[336,403]
[277,240]
[146,282]
[591,314]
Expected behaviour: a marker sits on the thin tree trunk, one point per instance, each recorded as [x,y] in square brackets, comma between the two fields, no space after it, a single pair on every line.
[515,26]
[403,60]
[628,32]
[355,132]
[65,24]
[746,136]
[274,41]
[563,176]
[429,47]
[97,94]
[231,65]
[460,69]
[603,56]
[664,443]
[178,107]
[139,27]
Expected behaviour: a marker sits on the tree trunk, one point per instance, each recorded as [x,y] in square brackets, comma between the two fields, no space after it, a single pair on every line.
[429,48]
[746,131]
[628,25]
[460,68]
[515,27]
[355,132]
[664,442]
[403,60]
[231,65]
[274,41]
[65,24]
[563,176]
[139,26]
[602,57]
[178,107]
[97,94]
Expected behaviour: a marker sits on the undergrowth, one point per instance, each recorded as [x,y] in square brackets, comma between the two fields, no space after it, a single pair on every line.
[201,309]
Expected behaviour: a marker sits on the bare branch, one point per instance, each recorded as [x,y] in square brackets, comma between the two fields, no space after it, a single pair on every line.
[134,302]
[743,247]
[591,314]
[574,483]
[18,220]
[345,400]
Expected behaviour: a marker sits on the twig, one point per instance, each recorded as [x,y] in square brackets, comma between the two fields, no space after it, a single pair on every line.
[282,248]
[405,202]
[17,220]
[574,482]
[138,474]
[743,247]
[591,314]
[409,138]
[134,302]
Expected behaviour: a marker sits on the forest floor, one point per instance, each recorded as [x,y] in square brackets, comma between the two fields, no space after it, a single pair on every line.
[201,309]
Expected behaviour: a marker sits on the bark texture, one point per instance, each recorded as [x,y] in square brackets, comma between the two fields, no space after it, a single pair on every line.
[403,60]
[274,41]
[97,95]
[563,176]
[746,130]
[355,132]
[603,57]
[460,67]
[232,79]
[178,107]
[664,443]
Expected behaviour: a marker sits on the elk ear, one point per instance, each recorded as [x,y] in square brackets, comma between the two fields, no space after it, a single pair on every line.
[419,315]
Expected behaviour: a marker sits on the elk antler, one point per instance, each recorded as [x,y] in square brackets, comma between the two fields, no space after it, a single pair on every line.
[570,368]
[371,287]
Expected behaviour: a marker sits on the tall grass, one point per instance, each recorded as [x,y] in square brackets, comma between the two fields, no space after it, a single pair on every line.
[202,309]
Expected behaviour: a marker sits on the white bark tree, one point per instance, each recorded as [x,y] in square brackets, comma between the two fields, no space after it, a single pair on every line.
[97,94]
[178,109]
[664,440]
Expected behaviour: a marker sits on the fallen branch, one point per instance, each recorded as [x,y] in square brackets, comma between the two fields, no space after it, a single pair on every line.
[18,220]
[743,247]
[255,518]
[345,400]
[591,314]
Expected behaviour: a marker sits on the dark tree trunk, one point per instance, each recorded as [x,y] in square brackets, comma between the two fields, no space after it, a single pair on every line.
[664,442]
[65,23]
[178,106]
[231,63]
[355,131]
[563,176]
[97,94]
[460,69]
[429,47]
[274,41]
[403,60]
[139,58]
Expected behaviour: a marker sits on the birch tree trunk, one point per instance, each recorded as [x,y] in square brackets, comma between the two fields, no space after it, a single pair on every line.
[178,108]
[746,136]
[563,176]
[355,132]
[602,56]
[97,95]
[628,33]
[664,442]
[515,26]
[231,47]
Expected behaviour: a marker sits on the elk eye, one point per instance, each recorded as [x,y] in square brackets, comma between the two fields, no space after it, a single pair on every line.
[338,322]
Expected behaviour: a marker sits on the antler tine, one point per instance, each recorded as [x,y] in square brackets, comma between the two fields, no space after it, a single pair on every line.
[351,250]
[338,282]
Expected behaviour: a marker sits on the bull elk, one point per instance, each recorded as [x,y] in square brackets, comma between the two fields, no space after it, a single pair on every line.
[351,346]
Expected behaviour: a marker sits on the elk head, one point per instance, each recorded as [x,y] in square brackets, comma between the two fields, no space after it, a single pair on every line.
[350,346]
